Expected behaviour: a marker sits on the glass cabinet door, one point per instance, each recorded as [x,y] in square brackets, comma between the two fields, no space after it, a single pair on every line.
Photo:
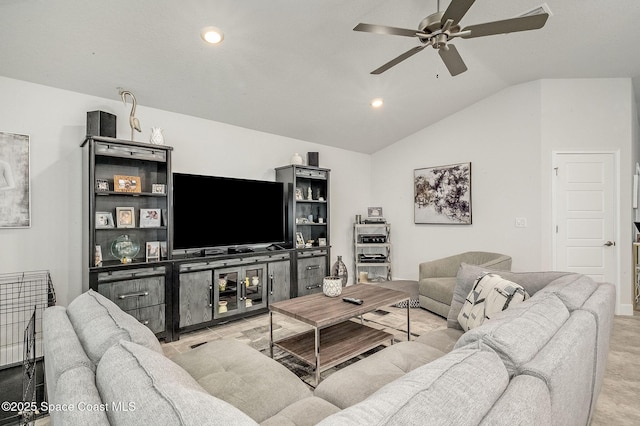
[239,289]
[227,292]
[255,286]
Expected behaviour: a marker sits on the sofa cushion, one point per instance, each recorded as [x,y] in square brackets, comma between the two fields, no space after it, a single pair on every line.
[356,382]
[100,324]
[519,333]
[601,305]
[566,366]
[308,411]
[572,289]
[443,339]
[526,402]
[243,377]
[143,384]
[77,401]
[532,282]
[62,349]
[456,389]
[489,295]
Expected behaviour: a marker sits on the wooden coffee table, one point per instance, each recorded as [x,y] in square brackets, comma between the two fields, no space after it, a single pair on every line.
[334,338]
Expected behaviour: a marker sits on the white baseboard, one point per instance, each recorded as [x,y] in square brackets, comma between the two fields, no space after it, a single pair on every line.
[624,309]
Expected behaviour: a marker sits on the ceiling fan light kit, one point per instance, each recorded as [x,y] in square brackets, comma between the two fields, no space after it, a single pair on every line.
[438,29]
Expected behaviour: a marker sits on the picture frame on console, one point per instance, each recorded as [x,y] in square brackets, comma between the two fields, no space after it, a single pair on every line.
[442,194]
[152,251]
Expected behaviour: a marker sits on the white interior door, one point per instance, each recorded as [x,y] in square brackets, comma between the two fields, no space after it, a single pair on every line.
[585,214]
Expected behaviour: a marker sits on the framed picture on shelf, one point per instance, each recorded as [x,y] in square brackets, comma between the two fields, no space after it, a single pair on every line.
[122,183]
[125,217]
[163,249]
[322,242]
[374,211]
[299,240]
[158,188]
[102,185]
[152,250]
[149,218]
[98,260]
[104,220]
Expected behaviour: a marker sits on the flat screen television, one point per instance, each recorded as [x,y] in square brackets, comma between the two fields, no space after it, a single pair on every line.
[214,212]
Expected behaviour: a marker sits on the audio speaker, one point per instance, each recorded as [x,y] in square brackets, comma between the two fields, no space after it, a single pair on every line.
[100,123]
[312,159]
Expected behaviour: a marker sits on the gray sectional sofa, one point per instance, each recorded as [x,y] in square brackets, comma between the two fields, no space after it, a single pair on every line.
[539,362]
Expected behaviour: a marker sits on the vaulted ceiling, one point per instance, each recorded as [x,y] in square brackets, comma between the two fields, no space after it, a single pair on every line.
[296,68]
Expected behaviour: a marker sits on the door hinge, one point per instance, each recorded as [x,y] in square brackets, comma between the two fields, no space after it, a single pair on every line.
[556,229]
[556,170]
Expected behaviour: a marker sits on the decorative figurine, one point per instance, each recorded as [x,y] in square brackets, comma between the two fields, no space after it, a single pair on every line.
[156,136]
[309,195]
[133,121]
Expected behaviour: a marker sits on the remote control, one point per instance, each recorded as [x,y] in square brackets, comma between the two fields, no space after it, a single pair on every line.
[353,300]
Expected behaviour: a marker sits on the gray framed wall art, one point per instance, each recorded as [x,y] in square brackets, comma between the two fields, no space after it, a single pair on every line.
[15,193]
[442,194]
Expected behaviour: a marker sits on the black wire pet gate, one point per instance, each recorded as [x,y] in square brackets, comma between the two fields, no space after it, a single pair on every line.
[23,298]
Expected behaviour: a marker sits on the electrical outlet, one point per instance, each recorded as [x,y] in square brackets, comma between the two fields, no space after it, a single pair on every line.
[521,222]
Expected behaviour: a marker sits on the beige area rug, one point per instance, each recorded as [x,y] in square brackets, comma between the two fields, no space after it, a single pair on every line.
[618,403]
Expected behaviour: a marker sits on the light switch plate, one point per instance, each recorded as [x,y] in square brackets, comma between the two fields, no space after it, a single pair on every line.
[521,222]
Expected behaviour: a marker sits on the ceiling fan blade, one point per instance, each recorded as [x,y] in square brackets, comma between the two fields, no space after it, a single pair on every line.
[399,59]
[452,60]
[383,29]
[524,23]
[456,10]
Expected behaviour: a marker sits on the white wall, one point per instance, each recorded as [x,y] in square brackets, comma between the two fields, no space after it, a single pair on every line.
[509,139]
[591,115]
[500,137]
[56,121]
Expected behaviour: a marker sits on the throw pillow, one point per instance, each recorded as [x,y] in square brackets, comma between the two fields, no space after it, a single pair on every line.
[467,274]
[490,294]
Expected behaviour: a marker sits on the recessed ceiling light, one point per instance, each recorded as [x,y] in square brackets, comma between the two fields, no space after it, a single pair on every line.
[377,102]
[212,35]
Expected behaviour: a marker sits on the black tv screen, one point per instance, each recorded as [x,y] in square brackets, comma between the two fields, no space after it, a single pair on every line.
[213,211]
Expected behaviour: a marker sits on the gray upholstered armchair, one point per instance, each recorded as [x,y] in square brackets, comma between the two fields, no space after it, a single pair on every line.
[437,278]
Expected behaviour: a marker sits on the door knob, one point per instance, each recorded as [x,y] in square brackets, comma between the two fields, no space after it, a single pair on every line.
[610,243]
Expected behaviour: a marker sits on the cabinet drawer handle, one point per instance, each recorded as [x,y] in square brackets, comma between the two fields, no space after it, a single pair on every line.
[144,322]
[210,296]
[271,284]
[310,267]
[311,287]
[140,294]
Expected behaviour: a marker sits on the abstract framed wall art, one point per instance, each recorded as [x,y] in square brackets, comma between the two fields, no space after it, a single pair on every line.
[442,194]
[15,191]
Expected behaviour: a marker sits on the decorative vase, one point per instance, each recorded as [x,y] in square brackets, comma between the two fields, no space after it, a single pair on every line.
[339,269]
[296,159]
[255,281]
[222,307]
[222,284]
[125,248]
[332,286]
[156,136]
[248,303]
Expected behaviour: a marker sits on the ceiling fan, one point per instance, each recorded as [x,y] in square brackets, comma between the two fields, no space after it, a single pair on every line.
[438,29]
